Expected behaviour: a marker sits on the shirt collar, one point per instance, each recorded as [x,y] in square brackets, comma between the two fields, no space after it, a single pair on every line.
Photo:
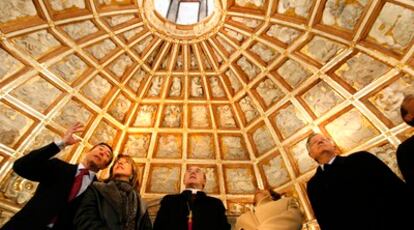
[329,163]
[92,174]
[193,190]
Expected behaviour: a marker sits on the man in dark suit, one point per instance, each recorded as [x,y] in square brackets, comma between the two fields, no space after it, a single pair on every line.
[357,191]
[192,209]
[405,151]
[60,184]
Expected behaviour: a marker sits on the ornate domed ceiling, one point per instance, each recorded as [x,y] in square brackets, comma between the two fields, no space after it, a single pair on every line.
[236,93]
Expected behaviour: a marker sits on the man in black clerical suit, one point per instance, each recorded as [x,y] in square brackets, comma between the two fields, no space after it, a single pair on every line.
[405,151]
[354,192]
[60,184]
[192,205]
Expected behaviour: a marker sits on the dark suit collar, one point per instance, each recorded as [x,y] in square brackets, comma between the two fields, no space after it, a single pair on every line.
[339,160]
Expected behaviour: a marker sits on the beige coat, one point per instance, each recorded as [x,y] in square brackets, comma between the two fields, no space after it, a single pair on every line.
[283,214]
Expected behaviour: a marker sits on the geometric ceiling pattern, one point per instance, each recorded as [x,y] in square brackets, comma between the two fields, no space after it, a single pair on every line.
[236,94]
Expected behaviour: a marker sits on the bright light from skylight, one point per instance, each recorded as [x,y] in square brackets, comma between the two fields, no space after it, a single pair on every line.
[188,13]
[184,12]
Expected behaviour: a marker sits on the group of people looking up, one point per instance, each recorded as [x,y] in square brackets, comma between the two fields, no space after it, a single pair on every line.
[357,191]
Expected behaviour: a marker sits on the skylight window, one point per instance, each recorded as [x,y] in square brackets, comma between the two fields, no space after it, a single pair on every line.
[184,12]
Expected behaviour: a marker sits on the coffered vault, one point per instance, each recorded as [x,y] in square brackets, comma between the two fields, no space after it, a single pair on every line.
[236,93]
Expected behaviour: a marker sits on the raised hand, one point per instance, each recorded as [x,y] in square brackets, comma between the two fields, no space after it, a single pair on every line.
[68,137]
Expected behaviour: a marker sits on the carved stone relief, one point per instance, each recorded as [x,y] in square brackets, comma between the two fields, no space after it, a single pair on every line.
[322,49]
[156,85]
[145,115]
[354,130]
[234,82]
[5,216]
[131,33]
[269,91]
[216,89]
[59,5]
[141,45]
[394,27]
[137,145]
[201,147]
[342,13]
[239,180]
[321,98]
[301,156]
[193,61]
[232,148]
[45,137]
[389,99]
[199,116]
[387,153]
[266,53]
[275,171]
[300,8]
[256,3]
[120,65]
[248,109]
[196,88]
[263,140]
[69,68]
[80,29]
[284,34]
[225,44]
[225,115]
[169,146]
[14,9]
[97,89]
[120,107]
[293,72]
[37,43]
[37,92]
[103,133]
[238,36]
[175,90]
[252,23]
[248,68]
[12,125]
[165,179]
[9,66]
[119,19]
[289,120]
[101,49]
[136,80]
[361,70]
[71,113]
[172,116]
[18,190]
[212,185]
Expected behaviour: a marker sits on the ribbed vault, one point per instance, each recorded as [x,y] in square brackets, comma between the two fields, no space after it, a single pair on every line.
[236,94]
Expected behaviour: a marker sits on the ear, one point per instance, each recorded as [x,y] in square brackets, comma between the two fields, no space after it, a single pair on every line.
[408,117]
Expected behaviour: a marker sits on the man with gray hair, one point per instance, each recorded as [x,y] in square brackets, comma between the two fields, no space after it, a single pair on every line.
[405,155]
[354,192]
[192,209]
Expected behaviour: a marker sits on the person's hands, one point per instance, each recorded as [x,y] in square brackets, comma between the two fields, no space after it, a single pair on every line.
[68,137]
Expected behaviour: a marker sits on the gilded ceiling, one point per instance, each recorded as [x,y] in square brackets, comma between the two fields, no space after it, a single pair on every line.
[236,94]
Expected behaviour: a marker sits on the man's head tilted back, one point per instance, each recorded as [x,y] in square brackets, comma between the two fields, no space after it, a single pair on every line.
[407,109]
[194,177]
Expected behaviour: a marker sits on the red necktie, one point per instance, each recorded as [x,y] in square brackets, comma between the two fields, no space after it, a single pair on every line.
[77,183]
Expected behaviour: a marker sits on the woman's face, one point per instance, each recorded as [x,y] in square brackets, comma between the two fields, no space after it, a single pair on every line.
[122,168]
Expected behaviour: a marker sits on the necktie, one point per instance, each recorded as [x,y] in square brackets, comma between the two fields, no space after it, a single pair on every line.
[77,184]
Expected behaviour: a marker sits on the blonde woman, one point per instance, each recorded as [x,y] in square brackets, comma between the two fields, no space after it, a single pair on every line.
[116,203]
[271,212]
